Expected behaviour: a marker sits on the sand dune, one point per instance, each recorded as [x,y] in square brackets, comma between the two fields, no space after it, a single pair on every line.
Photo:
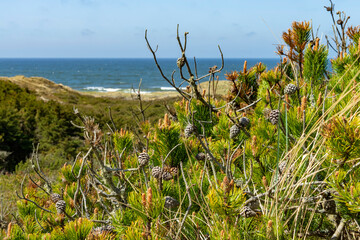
[48,90]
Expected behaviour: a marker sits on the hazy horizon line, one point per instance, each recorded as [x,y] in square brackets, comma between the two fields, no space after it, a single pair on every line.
[135,58]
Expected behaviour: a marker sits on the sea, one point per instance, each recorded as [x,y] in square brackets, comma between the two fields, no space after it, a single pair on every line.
[122,74]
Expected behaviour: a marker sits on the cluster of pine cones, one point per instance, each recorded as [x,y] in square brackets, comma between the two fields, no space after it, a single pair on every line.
[168,173]
[235,129]
[60,204]
[272,115]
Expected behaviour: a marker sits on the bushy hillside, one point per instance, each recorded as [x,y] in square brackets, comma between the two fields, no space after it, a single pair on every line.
[29,118]
[26,121]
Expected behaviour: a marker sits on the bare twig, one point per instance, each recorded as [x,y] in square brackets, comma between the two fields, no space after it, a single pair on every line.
[112,120]
[37,168]
[182,93]
[249,106]
[339,229]
[38,185]
[18,222]
[22,197]
[187,188]
[192,81]
[39,222]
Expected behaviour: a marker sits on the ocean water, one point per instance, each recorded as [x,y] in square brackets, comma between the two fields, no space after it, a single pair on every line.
[109,75]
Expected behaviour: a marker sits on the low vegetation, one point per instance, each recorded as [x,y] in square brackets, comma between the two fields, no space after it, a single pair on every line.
[277,158]
[26,120]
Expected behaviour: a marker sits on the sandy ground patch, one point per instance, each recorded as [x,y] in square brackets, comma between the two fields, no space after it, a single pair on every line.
[48,90]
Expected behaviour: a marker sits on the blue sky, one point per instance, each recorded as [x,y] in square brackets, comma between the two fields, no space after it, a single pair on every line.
[115,28]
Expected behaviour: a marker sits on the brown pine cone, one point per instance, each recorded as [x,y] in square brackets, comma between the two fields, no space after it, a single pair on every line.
[290,89]
[174,171]
[171,202]
[155,172]
[166,176]
[60,206]
[266,113]
[180,62]
[244,121]
[329,206]
[247,212]
[200,156]
[274,116]
[55,197]
[143,159]
[234,131]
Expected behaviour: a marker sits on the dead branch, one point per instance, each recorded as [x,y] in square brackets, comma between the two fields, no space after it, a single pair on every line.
[339,230]
[38,185]
[187,188]
[207,149]
[249,106]
[339,33]
[182,93]
[39,222]
[192,81]
[22,197]
[37,168]
[112,120]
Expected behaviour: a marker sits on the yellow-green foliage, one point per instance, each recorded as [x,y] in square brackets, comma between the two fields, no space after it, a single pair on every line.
[349,195]
[70,172]
[166,139]
[135,231]
[226,201]
[147,205]
[78,229]
[15,232]
[342,137]
[221,130]
[315,62]
[25,208]
[123,141]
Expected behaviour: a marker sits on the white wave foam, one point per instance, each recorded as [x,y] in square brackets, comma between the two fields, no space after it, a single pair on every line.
[169,88]
[102,89]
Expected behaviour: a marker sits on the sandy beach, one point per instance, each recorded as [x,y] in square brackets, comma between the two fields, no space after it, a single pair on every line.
[48,90]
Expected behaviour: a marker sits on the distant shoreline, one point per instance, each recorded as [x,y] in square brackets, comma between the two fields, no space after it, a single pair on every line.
[49,90]
[118,74]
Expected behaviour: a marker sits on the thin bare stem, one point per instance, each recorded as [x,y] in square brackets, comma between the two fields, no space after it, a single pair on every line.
[187,188]
[22,197]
